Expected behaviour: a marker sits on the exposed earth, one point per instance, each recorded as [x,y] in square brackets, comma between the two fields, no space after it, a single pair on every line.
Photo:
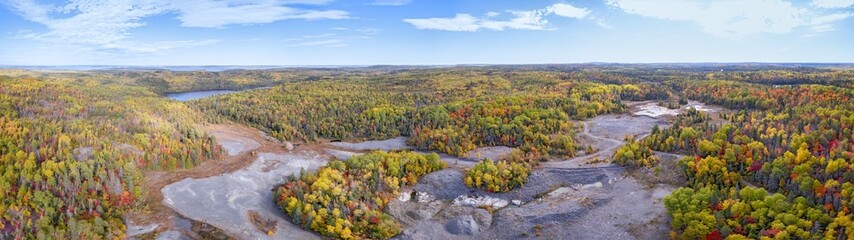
[572,198]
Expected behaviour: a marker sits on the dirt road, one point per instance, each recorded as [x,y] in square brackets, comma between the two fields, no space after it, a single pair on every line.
[606,146]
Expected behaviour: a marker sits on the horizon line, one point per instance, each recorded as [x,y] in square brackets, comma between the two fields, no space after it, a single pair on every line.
[12,66]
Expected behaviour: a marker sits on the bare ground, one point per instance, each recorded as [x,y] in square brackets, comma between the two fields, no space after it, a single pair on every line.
[228,201]
[578,203]
[159,214]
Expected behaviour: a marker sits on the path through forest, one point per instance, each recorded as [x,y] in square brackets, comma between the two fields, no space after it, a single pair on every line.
[606,147]
[605,134]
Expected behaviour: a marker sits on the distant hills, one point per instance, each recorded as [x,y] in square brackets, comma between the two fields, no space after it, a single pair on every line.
[556,66]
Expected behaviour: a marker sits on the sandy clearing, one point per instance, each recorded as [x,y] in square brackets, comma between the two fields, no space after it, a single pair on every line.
[225,200]
[632,212]
[398,143]
[159,214]
[494,153]
[651,109]
[233,142]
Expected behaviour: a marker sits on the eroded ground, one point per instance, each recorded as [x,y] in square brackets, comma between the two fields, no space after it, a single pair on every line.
[212,200]
[225,201]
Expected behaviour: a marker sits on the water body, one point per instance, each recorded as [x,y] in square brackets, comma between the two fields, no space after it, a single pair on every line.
[189,96]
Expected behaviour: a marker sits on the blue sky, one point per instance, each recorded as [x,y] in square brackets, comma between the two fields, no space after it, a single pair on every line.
[328,32]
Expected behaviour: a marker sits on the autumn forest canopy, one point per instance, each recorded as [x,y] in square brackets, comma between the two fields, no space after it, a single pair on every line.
[74,146]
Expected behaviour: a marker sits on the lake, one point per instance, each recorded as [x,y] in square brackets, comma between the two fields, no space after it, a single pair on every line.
[189,96]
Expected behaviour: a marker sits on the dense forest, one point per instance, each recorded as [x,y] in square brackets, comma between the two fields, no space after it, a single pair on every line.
[74,145]
[449,111]
[778,167]
[795,141]
[73,152]
[512,109]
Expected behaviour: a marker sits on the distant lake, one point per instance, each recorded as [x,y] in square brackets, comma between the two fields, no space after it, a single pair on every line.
[189,96]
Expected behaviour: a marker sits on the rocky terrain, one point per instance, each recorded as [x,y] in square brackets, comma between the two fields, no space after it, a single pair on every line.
[565,198]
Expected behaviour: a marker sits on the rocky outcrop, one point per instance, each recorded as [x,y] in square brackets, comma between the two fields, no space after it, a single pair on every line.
[480,201]
[463,225]
[409,212]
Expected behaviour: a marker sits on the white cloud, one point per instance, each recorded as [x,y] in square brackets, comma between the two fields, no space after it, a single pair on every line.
[733,18]
[460,22]
[158,46]
[368,31]
[30,10]
[217,14]
[327,42]
[325,35]
[96,23]
[830,18]
[822,28]
[521,20]
[332,39]
[391,2]
[365,31]
[106,24]
[526,20]
[566,10]
[603,24]
[832,3]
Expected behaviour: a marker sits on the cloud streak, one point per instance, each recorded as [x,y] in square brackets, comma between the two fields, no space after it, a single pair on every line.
[832,3]
[520,20]
[330,40]
[324,43]
[735,18]
[218,14]
[391,2]
[106,24]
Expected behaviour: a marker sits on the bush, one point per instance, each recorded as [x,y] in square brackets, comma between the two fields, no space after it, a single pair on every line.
[635,154]
[497,177]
